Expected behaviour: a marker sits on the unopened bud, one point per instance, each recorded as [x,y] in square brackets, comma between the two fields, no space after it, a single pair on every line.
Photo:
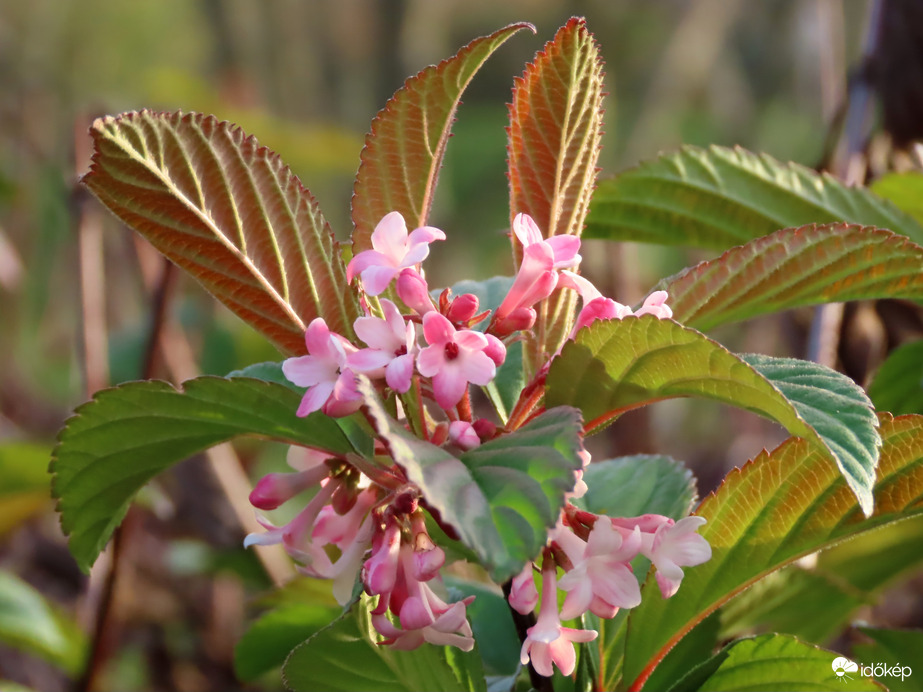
[463,435]
[495,350]
[413,291]
[462,308]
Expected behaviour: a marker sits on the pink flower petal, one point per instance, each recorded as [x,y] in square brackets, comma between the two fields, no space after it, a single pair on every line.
[375,279]
[399,373]
[449,385]
[315,398]
[437,329]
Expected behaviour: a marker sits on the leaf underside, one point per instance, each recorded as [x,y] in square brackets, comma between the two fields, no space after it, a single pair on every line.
[126,435]
[775,509]
[230,213]
[796,267]
[719,197]
[400,163]
[554,141]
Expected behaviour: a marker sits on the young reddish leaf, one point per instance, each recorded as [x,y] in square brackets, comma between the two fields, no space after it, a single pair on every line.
[780,506]
[230,213]
[719,197]
[795,267]
[554,134]
[400,162]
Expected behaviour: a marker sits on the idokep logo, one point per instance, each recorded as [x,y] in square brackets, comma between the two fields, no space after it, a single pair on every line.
[842,667]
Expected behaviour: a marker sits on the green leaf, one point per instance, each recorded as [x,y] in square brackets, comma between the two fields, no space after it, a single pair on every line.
[230,213]
[900,648]
[126,435]
[23,482]
[777,662]
[29,623]
[403,153]
[501,497]
[837,409]
[491,623]
[616,365]
[554,141]
[636,485]
[719,197]
[795,267]
[905,190]
[343,658]
[782,505]
[898,384]
[268,641]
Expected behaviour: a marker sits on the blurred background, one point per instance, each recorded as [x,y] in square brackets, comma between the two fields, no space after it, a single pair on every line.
[78,293]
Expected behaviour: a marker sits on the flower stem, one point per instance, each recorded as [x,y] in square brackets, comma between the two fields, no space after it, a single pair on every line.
[523,622]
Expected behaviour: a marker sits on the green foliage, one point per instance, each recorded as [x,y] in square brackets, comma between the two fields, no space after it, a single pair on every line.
[616,365]
[344,658]
[780,506]
[30,623]
[892,648]
[719,197]
[230,213]
[898,384]
[904,190]
[636,485]
[126,435]
[501,497]
[795,267]
[771,662]
[23,482]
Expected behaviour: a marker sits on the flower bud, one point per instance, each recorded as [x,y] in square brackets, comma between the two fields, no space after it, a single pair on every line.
[462,434]
[519,319]
[413,291]
[277,488]
[495,350]
[462,308]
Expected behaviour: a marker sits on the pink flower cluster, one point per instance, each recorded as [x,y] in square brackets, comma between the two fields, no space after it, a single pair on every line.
[379,535]
[370,526]
[595,554]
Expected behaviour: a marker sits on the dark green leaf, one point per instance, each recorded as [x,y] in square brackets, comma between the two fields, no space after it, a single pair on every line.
[344,658]
[719,197]
[501,497]
[898,385]
[892,648]
[837,408]
[636,485]
[126,435]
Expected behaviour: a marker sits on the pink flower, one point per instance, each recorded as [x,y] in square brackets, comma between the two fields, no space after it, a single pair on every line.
[462,308]
[379,573]
[564,248]
[277,488]
[453,359]
[413,292]
[655,304]
[601,579]
[393,250]
[392,348]
[674,546]
[547,641]
[595,305]
[523,594]
[463,435]
[535,281]
[331,385]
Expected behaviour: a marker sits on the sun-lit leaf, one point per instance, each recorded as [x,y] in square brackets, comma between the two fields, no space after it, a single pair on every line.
[905,190]
[719,197]
[501,497]
[898,384]
[780,506]
[230,213]
[554,135]
[892,648]
[28,622]
[772,662]
[403,153]
[795,267]
[344,658]
[126,435]
[617,365]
